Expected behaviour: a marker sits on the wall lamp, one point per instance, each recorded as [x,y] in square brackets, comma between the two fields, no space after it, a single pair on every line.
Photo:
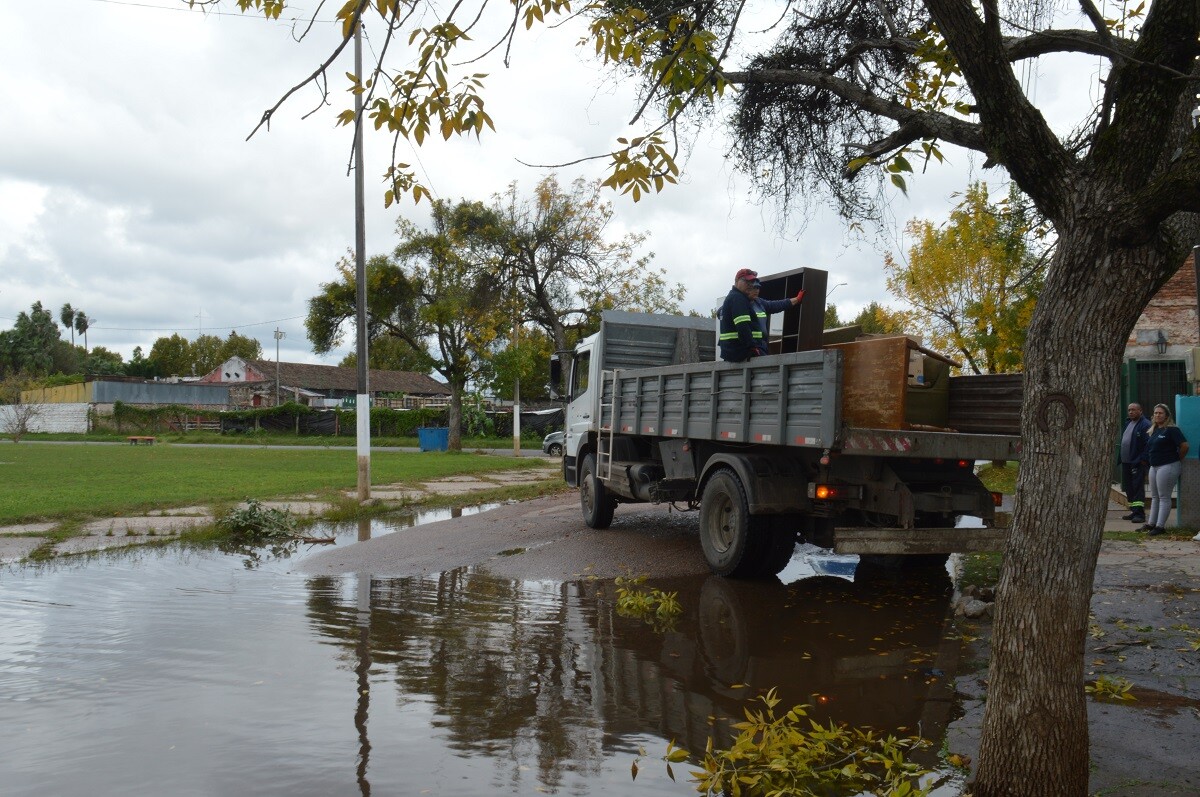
[1160,343]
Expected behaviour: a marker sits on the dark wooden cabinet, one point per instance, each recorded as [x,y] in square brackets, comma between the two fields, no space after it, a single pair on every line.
[802,324]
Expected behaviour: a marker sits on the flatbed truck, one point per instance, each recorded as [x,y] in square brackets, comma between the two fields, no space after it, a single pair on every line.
[774,450]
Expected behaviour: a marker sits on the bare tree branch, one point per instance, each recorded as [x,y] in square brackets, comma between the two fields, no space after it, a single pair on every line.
[920,124]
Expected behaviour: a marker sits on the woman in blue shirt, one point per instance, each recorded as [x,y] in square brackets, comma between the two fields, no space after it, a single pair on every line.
[1165,448]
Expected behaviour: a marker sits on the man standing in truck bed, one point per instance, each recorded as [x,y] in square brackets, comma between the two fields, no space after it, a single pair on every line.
[737,320]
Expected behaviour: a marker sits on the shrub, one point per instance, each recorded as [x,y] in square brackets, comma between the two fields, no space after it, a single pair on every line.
[791,755]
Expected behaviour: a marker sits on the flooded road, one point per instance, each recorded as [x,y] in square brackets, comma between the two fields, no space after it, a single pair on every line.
[197,672]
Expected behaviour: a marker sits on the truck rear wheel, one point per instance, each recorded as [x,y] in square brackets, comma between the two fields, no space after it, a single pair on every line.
[778,543]
[727,529]
[598,506]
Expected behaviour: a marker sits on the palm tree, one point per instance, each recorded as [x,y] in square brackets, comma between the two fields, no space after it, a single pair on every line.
[82,322]
[67,316]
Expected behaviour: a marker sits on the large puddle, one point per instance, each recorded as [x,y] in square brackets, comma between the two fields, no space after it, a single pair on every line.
[185,672]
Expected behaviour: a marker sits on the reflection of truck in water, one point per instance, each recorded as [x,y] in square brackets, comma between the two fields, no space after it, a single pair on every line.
[851,444]
[869,653]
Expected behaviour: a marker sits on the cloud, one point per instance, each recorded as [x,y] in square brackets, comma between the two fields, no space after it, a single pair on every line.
[128,188]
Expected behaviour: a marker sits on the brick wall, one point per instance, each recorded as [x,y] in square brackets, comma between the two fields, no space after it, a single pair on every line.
[53,418]
[1173,312]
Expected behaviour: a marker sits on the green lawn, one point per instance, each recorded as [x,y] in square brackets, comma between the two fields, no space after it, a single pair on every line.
[57,481]
[529,442]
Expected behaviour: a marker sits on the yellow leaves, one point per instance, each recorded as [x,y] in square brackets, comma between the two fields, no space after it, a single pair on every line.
[644,163]
[1106,688]
[403,181]
[773,755]
[536,12]
[270,8]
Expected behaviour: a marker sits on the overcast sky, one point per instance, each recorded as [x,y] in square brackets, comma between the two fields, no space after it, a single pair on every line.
[127,187]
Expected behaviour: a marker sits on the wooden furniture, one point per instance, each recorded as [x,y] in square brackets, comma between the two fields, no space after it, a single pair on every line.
[802,324]
[140,439]
[894,383]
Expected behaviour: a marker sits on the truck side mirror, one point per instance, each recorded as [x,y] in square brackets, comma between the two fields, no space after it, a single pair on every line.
[555,377]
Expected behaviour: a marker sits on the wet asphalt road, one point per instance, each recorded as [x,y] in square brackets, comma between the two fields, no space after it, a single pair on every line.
[540,539]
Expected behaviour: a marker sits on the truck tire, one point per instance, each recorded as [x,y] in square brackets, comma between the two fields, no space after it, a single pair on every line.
[724,630]
[727,529]
[778,544]
[598,506]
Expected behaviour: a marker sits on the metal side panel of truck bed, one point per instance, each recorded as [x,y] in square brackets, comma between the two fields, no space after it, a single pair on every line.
[786,399]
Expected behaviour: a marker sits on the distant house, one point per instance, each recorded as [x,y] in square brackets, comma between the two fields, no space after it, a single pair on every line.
[1162,355]
[252,383]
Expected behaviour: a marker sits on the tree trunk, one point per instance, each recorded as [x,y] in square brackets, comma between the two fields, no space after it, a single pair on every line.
[1035,735]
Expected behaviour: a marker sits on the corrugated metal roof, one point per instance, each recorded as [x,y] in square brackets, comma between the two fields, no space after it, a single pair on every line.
[333,377]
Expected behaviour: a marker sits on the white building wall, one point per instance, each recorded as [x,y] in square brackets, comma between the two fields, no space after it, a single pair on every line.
[52,418]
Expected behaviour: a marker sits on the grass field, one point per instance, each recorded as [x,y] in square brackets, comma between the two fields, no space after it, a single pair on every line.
[530,443]
[64,480]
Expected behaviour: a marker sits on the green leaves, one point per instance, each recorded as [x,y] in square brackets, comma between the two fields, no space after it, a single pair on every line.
[655,607]
[792,755]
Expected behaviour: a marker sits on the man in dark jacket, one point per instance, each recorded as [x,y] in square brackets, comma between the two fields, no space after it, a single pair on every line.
[737,320]
[1134,462]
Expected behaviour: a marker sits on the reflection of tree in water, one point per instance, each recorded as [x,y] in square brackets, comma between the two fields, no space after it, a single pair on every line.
[499,660]
[552,674]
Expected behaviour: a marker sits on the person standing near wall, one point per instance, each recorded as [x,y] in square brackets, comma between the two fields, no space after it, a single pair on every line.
[1165,451]
[1134,463]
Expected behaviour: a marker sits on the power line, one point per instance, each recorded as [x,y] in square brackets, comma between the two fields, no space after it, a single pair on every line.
[205,11]
[211,325]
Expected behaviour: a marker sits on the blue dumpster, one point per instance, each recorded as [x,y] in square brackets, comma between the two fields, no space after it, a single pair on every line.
[433,438]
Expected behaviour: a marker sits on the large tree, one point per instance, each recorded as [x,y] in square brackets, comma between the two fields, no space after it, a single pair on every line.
[852,85]
[170,356]
[204,354]
[974,280]
[556,251]
[390,354]
[436,294]
[102,361]
[32,347]
[67,315]
[240,346]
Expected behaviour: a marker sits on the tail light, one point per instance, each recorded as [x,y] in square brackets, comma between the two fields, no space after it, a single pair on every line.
[835,492]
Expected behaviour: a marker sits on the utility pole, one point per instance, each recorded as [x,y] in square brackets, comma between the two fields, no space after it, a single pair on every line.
[363,402]
[517,375]
[516,405]
[279,335]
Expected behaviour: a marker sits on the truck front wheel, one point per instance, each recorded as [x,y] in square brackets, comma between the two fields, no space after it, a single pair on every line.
[598,506]
[726,527]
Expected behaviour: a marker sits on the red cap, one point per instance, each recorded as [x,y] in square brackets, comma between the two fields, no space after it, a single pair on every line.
[746,274]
